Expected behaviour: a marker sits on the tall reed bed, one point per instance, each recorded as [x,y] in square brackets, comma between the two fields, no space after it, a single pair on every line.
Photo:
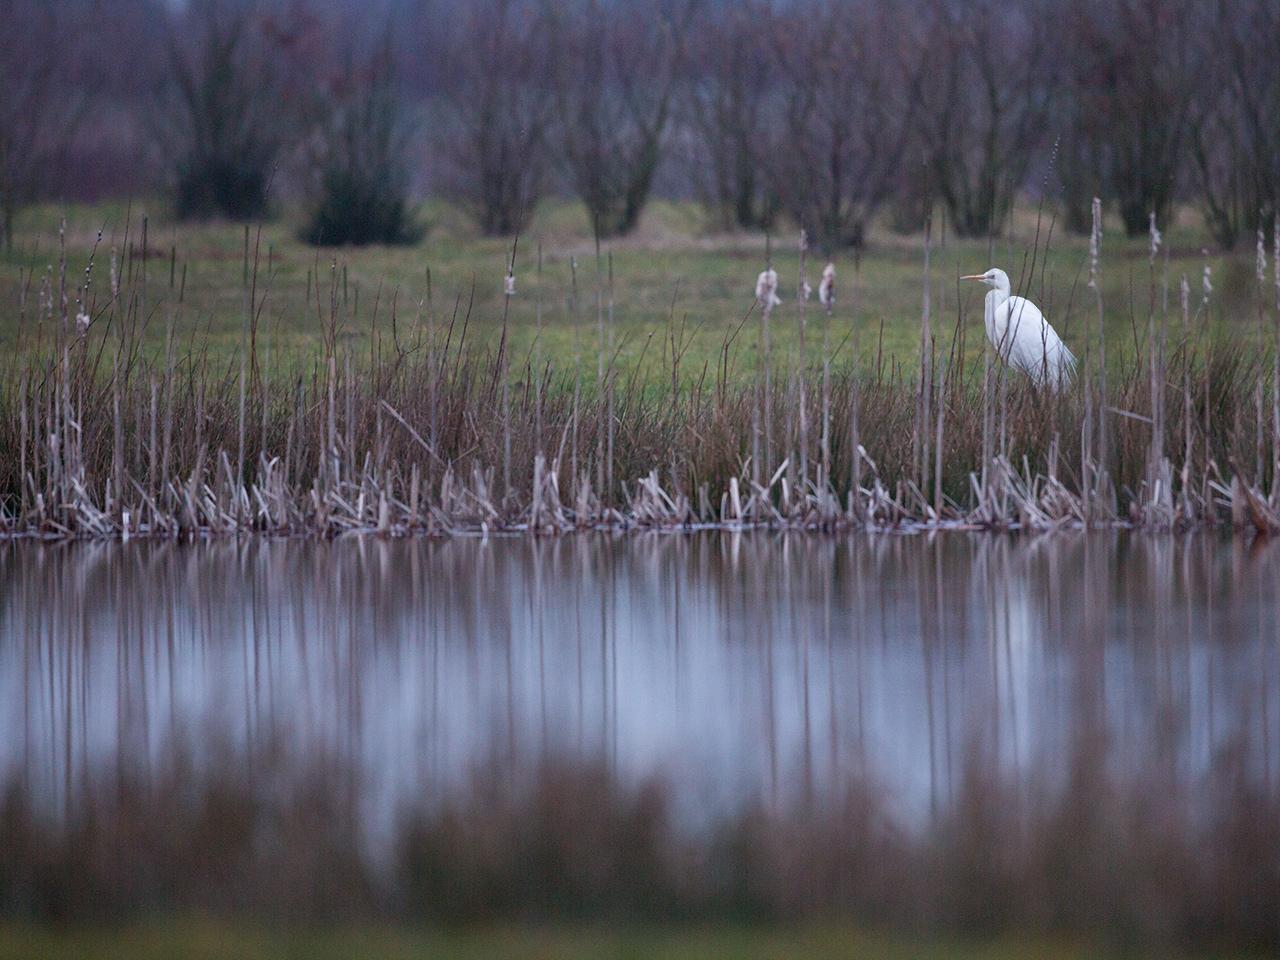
[420,429]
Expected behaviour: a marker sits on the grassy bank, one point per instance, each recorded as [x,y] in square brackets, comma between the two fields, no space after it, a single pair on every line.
[672,269]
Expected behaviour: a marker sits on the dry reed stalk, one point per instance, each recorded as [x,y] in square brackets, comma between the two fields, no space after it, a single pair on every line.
[921,432]
[1258,393]
[504,371]
[600,365]
[609,411]
[770,299]
[577,367]
[537,341]
[939,421]
[1275,367]
[802,298]
[246,312]
[828,283]
[855,398]
[1102,457]
[1206,292]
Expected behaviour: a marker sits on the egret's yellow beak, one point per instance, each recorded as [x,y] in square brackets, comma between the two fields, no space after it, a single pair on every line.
[974,276]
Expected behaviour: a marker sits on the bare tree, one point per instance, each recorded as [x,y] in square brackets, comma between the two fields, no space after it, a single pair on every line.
[614,72]
[360,148]
[984,100]
[843,119]
[227,118]
[1218,152]
[1078,165]
[1134,80]
[1235,116]
[39,110]
[496,111]
[726,90]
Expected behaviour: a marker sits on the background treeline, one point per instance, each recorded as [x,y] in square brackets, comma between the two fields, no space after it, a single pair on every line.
[829,114]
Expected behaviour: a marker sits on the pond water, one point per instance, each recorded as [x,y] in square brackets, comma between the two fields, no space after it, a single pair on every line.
[736,666]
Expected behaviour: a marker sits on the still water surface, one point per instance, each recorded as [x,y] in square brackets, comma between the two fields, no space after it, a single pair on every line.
[739,667]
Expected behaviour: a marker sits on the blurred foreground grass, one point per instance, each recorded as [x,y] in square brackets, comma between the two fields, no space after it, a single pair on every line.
[672,272]
[211,941]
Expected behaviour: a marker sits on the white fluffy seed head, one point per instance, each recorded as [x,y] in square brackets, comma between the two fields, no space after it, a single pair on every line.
[767,288]
[827,287]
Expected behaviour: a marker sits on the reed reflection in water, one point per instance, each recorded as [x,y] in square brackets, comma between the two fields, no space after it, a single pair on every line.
[752,675]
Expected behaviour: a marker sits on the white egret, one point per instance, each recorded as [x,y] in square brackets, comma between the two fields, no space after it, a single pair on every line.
[1021,335]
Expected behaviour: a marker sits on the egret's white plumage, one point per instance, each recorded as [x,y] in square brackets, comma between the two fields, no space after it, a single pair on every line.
[1021,335]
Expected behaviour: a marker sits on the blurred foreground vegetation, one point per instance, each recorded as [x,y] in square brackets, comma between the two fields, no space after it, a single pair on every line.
[208,941]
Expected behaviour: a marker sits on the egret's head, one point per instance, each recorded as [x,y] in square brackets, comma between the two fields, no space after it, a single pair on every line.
[995,277]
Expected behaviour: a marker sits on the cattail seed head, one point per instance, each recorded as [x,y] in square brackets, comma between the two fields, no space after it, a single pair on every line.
[827,287]
[767,288]
[509,285]
[1156,238]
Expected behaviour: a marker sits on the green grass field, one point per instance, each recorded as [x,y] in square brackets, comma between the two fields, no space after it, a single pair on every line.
[671,270]
[207,941]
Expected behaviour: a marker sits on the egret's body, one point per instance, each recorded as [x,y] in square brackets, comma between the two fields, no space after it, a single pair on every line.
[1022,336]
